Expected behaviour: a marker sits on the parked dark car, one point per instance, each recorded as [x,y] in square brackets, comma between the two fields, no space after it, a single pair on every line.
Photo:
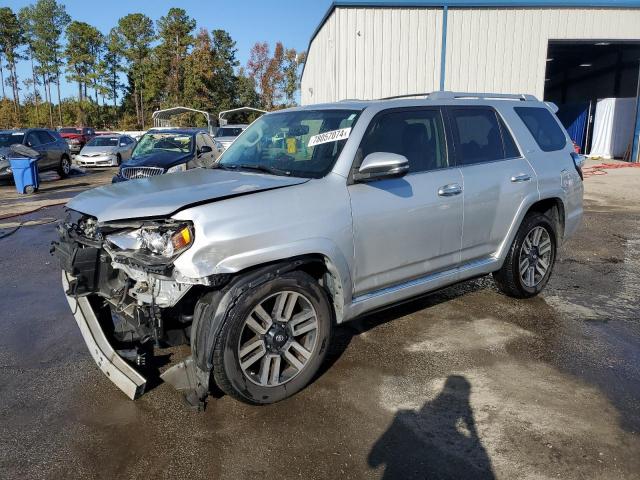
[53,149]
[77,137]
[161,151]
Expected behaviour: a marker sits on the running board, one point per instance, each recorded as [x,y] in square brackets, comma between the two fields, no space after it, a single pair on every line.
[403,291]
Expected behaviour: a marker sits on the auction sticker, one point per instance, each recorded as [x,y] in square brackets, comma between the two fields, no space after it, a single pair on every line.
[330,136]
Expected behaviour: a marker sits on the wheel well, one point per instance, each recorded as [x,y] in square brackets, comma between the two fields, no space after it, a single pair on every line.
[554,209]
[319,267]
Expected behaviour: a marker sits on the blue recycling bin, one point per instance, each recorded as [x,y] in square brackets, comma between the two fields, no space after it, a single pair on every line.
[25,174]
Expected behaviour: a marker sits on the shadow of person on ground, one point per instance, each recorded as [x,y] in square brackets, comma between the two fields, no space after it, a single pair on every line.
[439,441]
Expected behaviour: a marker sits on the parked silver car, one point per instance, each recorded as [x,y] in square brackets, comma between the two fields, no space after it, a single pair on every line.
[106,151]
[315,216]
[226,135]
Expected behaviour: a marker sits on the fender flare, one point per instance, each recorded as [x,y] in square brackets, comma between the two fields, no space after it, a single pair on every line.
[213,308]
[335,262]
[525,206]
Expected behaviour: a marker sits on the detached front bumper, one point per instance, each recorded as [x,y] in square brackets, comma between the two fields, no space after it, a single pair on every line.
[112,365]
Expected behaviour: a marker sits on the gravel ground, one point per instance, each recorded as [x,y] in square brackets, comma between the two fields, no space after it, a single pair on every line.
[463,383]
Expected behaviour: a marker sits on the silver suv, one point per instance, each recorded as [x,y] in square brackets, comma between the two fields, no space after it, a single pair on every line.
[312,217]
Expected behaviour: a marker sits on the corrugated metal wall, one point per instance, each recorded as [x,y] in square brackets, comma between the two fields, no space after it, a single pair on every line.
[505,50]
[373,52]
[376,52]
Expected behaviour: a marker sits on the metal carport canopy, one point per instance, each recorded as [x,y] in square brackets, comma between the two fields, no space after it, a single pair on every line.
[223,121]
[161,117]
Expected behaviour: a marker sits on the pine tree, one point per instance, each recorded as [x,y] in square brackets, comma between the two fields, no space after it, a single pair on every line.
[199,73]
[49,21]
[137,33]
[174,32]
[11,39]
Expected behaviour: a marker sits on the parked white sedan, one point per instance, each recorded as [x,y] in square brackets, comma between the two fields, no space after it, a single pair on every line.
[106,151]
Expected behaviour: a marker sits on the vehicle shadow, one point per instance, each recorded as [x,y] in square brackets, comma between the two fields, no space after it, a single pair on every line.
[438,441]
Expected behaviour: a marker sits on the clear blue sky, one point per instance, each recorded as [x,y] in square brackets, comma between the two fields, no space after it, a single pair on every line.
[248,21]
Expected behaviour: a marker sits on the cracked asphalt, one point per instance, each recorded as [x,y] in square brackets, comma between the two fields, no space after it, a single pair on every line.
[462,383]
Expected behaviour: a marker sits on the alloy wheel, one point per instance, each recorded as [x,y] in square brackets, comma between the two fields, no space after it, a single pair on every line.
[278,338]
[536,256]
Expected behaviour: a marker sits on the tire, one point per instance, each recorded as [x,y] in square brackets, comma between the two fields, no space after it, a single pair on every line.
[245,383]
[118,160]
[510,279]
[65,167]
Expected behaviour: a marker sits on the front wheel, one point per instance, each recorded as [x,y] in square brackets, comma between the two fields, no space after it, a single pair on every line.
[530,260]
[118,160]
[274,340]
[65,167]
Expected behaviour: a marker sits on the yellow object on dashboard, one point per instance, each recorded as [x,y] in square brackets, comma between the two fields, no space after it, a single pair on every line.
[292,145]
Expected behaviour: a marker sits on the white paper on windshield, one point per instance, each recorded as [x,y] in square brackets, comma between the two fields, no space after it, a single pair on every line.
[330,136]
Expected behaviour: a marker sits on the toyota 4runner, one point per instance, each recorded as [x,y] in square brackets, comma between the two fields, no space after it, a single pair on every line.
[312,217]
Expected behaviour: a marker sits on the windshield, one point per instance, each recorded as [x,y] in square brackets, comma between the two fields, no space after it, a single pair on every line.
[229,131]
[7,138]
[70,130]
[103,142]
[303,143]
[175,143]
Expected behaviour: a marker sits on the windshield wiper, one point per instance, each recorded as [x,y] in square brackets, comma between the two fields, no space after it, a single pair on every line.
[260,168]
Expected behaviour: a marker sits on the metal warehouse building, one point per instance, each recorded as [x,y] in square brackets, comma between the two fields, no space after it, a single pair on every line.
[575,53]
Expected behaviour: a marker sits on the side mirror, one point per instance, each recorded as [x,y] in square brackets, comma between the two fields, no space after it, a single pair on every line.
[380,165]
[205,149]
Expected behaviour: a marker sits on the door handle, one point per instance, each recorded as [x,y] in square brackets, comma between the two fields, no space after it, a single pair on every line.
[523,177]
[450,190]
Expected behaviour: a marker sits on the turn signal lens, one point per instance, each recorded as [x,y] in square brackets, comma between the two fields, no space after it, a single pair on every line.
[181,239]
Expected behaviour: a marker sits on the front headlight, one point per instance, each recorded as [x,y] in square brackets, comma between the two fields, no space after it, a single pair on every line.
[164,241]
[178,168]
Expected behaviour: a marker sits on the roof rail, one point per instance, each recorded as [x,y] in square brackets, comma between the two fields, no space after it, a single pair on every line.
[482,96]
[406,95]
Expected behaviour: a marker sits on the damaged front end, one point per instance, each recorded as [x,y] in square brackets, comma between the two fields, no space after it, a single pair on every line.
[127,297]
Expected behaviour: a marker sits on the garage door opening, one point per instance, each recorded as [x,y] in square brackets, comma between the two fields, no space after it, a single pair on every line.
[595,85]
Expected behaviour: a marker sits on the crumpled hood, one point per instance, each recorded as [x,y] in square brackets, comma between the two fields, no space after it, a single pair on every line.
[157,159]
[163,195]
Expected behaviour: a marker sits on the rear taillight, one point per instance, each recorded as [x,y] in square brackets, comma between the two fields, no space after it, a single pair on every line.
[578,162]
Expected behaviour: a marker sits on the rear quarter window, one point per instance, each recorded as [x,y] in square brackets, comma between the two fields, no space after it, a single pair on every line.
[544,128]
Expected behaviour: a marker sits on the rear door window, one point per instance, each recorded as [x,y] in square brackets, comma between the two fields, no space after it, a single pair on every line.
[510,148]
[544,128]
[477,135]
[45,137]
[418,134]
[32,140]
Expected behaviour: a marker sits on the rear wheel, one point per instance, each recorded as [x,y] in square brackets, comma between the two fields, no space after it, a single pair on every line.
[274,340]
[65,167]
[530,260]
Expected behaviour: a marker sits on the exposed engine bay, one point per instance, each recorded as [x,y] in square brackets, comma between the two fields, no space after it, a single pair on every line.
[125,272]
